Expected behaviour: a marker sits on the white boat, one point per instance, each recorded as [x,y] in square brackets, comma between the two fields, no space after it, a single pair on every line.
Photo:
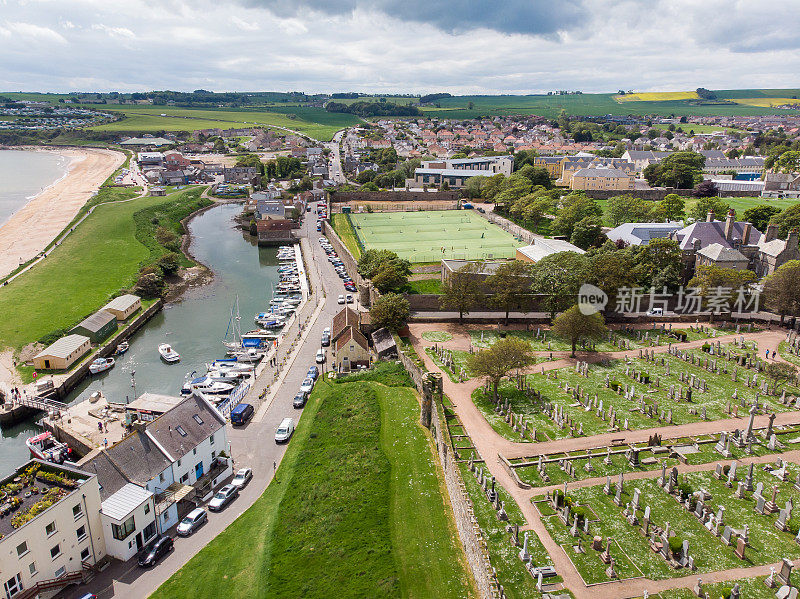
[122,348]
[101,365]
[249,355]
[168,354]
[206,384]
[45,447]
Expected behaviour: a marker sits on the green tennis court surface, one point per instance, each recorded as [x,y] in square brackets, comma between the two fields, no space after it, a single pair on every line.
[430,236]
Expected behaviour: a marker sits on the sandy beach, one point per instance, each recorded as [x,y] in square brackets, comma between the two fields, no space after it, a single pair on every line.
[34,226]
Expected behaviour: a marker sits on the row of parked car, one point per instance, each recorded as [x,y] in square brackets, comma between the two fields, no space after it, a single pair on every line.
[160,546]
[338,265]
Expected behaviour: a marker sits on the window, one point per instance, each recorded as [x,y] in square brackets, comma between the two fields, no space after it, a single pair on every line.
[185,477]
[146,508]
[22,548]
[211,438]
[213,454]
[60,572]
[13,585]
[194,451]
[197,419]
[179,463]
[85,554]
[180,430]
[55,551]
[122,531]
[50,529]
[149,531]
[32,569]
[81,533]
[77,512]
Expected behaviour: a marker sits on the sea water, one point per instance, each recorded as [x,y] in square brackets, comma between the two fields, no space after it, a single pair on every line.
[25,174]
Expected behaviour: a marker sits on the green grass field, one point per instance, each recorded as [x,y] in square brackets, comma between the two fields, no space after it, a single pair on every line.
[315,122]
[98,259]
[432,235]
[345,232]
[356,510]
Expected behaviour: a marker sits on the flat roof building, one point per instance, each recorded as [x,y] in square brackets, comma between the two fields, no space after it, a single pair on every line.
[542,247]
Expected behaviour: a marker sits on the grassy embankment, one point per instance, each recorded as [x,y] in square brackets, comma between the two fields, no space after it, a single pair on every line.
[102,256]
[345,232]
[356,509]
[314,122]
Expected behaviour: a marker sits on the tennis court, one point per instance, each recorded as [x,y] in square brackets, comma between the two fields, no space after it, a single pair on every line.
[432,235]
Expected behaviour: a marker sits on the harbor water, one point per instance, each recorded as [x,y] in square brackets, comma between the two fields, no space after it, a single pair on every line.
[195,325]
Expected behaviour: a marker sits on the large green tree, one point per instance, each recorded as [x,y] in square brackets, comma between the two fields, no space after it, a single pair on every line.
[462,290]
[761,215]
[657,264]
[509,284]
[629,209]
[719,286]
[670,208]
[391,311]
[575,325]
[496,362]
[681,170]
[558,277]
[586,232]
[612,271]
[574,208]
[782,289]
[787,220]
[703,206]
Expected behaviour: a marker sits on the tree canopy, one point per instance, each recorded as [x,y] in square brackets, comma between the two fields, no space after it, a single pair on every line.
[391,311]
[575,325]
[680,170]
[499,360]
[462,289]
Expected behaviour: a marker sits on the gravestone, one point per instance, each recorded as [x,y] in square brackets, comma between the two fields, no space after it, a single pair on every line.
[740,545]
[785,575]
[726,535]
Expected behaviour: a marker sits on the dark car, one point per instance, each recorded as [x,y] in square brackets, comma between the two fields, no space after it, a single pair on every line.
[154,551]
[300,399]
[326,339]
[313,372]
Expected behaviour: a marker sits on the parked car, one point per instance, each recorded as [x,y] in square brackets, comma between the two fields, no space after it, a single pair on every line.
[300,399]
[313,372]
[285,430]
[192,521]
[243,476]
[320,356]
[326,339]
[307,385]
[155,550]
[223,497]
[340,299]
[349,299]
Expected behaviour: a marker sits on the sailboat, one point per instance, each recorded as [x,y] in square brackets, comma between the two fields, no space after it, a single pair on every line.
[233,334]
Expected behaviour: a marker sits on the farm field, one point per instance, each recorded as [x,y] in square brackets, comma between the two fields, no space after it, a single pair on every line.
[314,122]
[338,524]
[428,236]
[656,96]
[120,242]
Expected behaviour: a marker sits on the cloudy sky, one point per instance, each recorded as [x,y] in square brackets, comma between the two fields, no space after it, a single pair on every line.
[459,46]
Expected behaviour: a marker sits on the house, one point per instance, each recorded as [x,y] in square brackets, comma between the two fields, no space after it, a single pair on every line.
[351,350]
[542,247]
[570,168]
[96,327]
[747,164]
[270,208]
[175,160]
[347,317]
[641,233]
[62,354]
[58,545]
[274,231]
[773,252]
[717,254]
[384,344]
[150,158]
[241,175]
[456,172]
[641,159]
[553,165]
[124,306]
[602,178]
[129,520]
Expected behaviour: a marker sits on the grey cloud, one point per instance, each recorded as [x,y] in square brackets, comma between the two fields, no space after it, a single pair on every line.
[532,17]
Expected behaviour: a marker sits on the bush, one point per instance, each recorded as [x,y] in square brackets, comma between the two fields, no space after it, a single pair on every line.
[169,239]
[149,286]
[169,263]
[614,385]
[675,545]
[706,347]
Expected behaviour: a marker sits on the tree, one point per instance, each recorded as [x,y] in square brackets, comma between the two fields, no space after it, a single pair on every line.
[149,285]
[760,216]
[779,372]
[703,206]
[680,170]
[535,211]
[575,207]
[509,284]
[787,220]
[575,325]
[559,276]
[169,263]
[720,286]
[390,276]
[391,311]
[499,360]
[788,162]
[586,232]
[658,264]
[705,189]
[611,271]
[537,175]
[782,289]
[251,160]
[462,290]
[670,208]
[629,209]
[371,261]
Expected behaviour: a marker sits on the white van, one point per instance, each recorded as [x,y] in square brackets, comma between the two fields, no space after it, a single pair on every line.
[655,312]
[285,430]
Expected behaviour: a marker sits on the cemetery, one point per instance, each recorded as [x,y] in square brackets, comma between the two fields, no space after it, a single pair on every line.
[655,389]
[679,524]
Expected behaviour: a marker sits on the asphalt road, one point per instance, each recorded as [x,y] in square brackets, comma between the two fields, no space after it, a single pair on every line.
[252,445]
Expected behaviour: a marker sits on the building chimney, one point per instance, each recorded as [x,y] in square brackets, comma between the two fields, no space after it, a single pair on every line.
[710,217]
[772,233]
[729,225]
[792,239]
[746,233]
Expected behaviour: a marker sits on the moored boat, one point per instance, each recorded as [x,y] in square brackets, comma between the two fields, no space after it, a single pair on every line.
[101,365]
[122,348]
[168,354]
[45,447]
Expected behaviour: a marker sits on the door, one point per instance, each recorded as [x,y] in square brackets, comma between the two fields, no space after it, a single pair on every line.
[47,364]
[139,543]
[198,470]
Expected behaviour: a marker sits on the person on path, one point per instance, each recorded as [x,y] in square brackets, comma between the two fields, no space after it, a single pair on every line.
[773,354]
[767,356]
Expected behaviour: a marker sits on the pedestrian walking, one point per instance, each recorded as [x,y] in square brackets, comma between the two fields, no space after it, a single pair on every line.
[767,355]
[773,354]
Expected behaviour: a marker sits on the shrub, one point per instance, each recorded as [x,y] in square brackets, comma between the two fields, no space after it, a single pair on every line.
[169,263]
[614,385]
[169,239]
[706,347]
[675,544]
[149,286]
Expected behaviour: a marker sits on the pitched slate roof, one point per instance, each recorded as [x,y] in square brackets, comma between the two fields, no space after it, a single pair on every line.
[719,253]
[185,426]
[345,318]
[609,173]
[110,478]
[138,458]
[713,232]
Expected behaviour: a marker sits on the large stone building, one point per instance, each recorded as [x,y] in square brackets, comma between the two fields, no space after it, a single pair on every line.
[602,178]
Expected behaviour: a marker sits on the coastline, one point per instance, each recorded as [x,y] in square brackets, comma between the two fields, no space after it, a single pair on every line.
[34,226]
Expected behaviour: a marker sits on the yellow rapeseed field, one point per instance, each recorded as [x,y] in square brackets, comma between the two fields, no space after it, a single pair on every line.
[767,102]
[656,96]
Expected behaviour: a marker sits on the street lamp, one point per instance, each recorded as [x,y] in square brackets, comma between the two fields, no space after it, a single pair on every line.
[133,383]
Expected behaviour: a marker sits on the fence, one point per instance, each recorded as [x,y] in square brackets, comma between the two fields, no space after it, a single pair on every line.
[469,530]
[511,227]
[233,400]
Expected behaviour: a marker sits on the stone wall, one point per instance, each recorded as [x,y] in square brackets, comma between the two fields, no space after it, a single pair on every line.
[349,261]
[415,372]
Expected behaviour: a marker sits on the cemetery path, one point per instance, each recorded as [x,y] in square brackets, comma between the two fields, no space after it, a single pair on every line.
[490,445]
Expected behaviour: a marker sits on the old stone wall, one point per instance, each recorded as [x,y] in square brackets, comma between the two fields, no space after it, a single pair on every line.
[349,261]
[393,196]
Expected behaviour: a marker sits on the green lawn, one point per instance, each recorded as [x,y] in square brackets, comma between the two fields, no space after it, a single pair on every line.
[98,259]
[315,122]
[358,511]
[345,232]
[432,286]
